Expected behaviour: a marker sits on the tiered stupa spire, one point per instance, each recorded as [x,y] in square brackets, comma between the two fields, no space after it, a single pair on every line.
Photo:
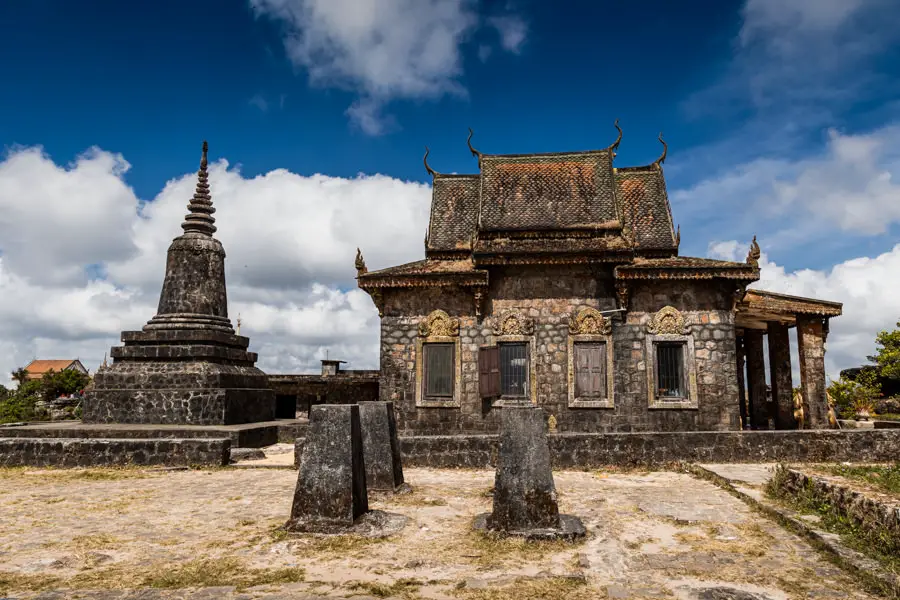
[200,219]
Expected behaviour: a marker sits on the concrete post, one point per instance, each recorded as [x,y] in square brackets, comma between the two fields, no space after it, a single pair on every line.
[756,378]
[811,342]
[780,371]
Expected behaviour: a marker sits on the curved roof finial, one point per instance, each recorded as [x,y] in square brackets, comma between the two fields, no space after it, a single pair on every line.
[754,254]
[431,171]
[615,144]
[662,157]
[360,263]
[678,235]
[469,143]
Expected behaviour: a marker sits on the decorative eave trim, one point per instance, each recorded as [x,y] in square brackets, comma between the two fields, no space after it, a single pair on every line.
[424,280]
[688,273]
[552,259]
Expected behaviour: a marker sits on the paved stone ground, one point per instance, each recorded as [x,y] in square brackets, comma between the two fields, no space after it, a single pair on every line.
[113,533]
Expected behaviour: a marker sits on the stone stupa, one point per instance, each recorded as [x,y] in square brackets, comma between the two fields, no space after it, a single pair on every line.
[187,366]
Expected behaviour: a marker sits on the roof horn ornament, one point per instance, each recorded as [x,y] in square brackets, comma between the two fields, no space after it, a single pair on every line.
[431,171]
[678,235]
[662,158]
[360,264]
[474,152]
[615,144]
[754,254]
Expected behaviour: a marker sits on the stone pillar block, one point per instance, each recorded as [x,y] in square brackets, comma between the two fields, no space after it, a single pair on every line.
[811,342]
[780,371]
[331,486]
[524,494]
[756,378]
[381,448]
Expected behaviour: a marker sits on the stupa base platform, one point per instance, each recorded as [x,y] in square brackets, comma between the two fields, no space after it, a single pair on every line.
[570,529]
[245,435]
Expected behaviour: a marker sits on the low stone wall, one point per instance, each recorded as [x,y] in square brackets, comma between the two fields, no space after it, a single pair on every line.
[577,450]
[879,516]
[61,453]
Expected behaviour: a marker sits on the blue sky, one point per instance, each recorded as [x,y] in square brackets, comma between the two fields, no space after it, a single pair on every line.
[781,119]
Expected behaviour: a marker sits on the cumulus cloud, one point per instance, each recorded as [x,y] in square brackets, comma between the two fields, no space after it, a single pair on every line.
[383,49]
[290,244]
[852,186]
[798,67]
[868,288]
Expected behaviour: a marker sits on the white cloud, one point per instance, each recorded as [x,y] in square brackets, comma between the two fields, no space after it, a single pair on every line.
[852,186]
[290,244]
[383,49]
[512,30]
[798,67]
[868,288]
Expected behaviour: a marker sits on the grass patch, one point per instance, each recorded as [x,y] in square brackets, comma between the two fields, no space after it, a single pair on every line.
[415,499]
[55,476]
[220,572]
[490,550]
[547,588]
[870,542]
[15,582]
[748,539]
[887,417]
[885,478]
[402,588]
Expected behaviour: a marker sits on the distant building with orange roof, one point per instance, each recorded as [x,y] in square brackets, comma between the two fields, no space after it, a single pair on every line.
[37,368]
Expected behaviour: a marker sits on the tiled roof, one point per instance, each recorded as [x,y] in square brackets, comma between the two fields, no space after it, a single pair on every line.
[425,272]
[547,191]
[454,212]
[686,267]
[760,300]
[39,367]
[645,206]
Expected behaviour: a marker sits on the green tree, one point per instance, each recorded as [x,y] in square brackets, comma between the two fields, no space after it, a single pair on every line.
[63,383]
[4,392]
[858,395]
[20,375]
[887,356]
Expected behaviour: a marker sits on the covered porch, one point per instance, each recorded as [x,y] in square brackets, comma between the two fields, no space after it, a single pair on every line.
[768,317]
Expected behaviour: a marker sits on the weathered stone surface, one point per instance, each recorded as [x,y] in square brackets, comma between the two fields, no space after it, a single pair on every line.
[524,494]
[246,454]
[60,453]
[811,344]
[756,379]
[877,513]
[331,486]
[780,375]
[581,450]
[381,449]
[552,293]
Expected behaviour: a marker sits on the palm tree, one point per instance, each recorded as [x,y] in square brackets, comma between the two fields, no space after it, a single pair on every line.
[20,375]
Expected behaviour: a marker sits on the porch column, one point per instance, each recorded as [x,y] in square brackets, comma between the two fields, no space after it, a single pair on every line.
[811,342]
[780,372]
[756,378]
[741,380]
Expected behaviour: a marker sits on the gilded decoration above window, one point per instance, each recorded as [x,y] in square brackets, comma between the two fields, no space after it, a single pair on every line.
[589,321]
[439,324]
[513,322]
[668,321]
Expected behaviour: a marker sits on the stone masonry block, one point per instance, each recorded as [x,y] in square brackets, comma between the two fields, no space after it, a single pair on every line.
[381,449]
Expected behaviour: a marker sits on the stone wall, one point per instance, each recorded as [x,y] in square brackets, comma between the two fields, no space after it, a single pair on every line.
[585,450]
[549,295]
[60,453]
[346,387]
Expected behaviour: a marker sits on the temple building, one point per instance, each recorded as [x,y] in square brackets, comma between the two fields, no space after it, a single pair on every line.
[555,279]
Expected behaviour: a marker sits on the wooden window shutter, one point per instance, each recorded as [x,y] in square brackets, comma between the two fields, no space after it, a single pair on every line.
[590,370]
[489,371]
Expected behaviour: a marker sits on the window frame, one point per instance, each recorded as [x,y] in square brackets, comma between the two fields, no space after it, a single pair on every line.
[529,340]
[426,369]
[426,337]
[689,400]
[589,401]
[528,374]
